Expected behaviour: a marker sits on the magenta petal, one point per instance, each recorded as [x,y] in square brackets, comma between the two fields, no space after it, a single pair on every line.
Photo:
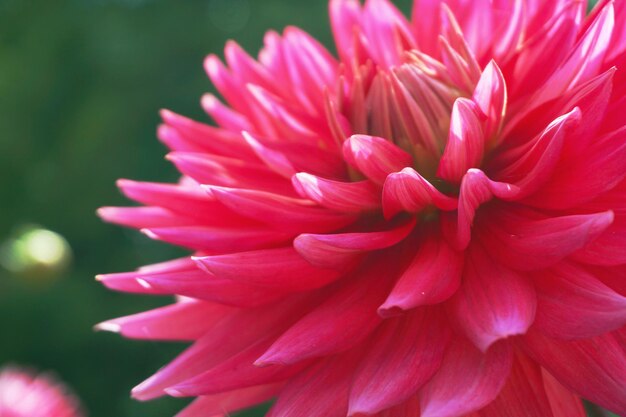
[220,343]
[338,250]
[213,405]
[526,240]
[573,304]
[278,210]
[466,142]
[405,353]
[338,324]
[282,268]
[433,276]
[593,368]
[491,97]
[563,402]
[408,191]
[375,157]
[523,395]
[236,372]
[493,302]
[327,385]
[467,380]
[181,321]
[351,197]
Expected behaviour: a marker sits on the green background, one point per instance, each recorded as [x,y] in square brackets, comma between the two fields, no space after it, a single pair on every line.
[81,82]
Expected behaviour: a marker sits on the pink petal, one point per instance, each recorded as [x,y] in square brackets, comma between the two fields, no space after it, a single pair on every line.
[277,210]
[219,240]
[467,381]
[375,157]
[350,197]
[235,373]
[143,217]
[433,276]
[526,240]
[405,353]
[220,343]
[408,191]
[199,137]
[201,285]
[608,248]
[563,402]
[466,142]
[573,304]
[585,60]
[493,302]
[227,172]
[337,250]
[212,405]
[326,385]
[491,97]
[340,323]
[180,321]
[523,394]
[593,368]
[283,269]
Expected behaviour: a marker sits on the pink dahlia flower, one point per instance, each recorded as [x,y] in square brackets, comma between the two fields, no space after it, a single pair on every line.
[432,223]
[23,394]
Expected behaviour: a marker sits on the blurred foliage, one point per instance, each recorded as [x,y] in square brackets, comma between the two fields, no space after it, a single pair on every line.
[81,82]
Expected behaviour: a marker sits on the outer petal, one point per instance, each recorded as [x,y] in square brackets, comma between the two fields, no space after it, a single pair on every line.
[405,353]
[338,324]
[593,368]
[523,395]
[433,276]
[527,240]
[180,321]
[573,304]
[229,402]
[282,268]
[326,385]
[467,380]
[493,302]
[563,402]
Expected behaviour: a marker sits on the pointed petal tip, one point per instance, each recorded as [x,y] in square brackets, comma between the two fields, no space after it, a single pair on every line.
[108,326]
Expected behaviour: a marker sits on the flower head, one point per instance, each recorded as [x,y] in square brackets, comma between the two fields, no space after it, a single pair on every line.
[24,394]
[432,223]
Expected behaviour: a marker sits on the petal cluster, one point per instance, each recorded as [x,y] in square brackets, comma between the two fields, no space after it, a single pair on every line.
[431,223]
[24,394]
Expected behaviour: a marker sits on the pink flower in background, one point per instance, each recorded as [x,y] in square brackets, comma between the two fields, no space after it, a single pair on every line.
[24,394]
[433,223]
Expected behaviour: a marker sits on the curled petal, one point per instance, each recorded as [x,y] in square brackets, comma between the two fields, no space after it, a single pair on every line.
[466,142]
[409,191]
[491,97]
[351,197]
[337,250]
[375,157]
